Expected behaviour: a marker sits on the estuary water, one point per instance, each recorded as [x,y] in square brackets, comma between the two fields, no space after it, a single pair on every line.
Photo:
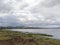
[54,32]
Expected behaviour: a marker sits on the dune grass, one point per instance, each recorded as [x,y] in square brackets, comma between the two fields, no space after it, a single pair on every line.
[19,38]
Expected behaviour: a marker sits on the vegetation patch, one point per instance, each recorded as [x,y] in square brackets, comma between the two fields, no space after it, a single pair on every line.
[19,38]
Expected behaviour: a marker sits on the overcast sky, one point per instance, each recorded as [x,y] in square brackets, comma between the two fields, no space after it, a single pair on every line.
[29,12]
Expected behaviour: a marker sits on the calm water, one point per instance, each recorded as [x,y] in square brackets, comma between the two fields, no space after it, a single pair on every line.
[54,32]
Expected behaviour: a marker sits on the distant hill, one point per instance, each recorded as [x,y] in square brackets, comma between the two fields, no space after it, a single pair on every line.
[20,27]
[26,27]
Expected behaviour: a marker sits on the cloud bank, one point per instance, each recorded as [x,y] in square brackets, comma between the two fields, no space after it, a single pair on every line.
[29,12]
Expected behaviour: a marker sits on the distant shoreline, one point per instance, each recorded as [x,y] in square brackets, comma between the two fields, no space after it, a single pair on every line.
[28,28]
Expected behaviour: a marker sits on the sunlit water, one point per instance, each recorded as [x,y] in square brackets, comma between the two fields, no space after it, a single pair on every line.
[54,32]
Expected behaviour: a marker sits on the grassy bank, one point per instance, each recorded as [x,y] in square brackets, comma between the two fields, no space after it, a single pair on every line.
[19,38]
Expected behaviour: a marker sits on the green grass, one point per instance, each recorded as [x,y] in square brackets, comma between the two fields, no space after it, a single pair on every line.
[19,38]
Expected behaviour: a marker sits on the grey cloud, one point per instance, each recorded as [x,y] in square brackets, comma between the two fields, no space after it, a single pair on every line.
[5,7]
[10,20]
[48,11]
[46,5]
[50,3]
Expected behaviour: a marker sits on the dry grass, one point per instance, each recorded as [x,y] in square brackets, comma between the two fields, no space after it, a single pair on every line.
[18,38]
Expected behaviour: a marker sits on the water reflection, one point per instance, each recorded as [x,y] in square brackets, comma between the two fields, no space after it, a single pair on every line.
[54,32]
